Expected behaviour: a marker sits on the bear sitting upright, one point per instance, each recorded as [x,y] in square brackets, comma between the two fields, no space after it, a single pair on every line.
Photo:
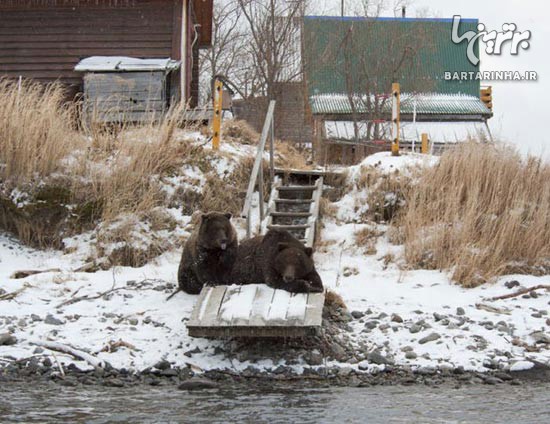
[208,254]
[279,260]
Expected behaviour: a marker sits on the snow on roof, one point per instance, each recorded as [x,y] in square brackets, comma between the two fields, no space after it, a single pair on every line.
[123,63]
[420,103]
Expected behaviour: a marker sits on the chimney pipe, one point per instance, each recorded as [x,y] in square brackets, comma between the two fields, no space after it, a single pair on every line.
[403,12]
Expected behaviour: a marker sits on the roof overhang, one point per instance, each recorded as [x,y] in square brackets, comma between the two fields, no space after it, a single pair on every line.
[425,106]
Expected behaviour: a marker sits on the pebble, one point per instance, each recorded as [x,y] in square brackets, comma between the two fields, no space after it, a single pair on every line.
[396,318]
[378,359]
[170,372]
[438,317]
[540,337]
[429,338]
[113,382]
[415,328]
[191,352]
[51,320]
[363,365]
[6,339]
[411,355]
[489,379]
[511,284]
[162,365]
[313,358]
[133,321]
[460,311]
[357,314]
[371,325]
[339,353]
[406,349]
[548,322]
[197,384]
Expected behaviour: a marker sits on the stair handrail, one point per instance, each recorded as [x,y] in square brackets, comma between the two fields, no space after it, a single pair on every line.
[256,177]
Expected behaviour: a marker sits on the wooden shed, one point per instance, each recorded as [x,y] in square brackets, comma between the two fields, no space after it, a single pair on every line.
[45,39]
[118,89]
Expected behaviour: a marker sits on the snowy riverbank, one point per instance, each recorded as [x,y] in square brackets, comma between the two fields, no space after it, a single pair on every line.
[411,320]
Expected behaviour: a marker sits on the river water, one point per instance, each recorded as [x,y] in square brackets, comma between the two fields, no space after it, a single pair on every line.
[48,402]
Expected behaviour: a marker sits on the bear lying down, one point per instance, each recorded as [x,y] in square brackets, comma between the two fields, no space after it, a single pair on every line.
[279,260]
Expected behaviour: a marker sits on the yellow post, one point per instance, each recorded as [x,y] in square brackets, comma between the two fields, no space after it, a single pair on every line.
[396,108]
[217,121]
[486,96]
[424,149]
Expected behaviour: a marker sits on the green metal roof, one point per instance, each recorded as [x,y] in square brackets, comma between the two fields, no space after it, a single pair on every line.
[421,104]
[360,55]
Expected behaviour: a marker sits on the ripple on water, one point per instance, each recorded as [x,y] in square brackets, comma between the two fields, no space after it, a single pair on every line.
[48,402]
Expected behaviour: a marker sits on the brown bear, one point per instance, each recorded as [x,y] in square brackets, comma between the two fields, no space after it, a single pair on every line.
[208,254]
[279,260]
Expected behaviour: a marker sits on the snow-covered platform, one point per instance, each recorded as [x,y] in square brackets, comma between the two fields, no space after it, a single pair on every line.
[255,310]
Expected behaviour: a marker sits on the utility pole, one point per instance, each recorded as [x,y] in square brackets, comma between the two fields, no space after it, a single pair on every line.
[342,8]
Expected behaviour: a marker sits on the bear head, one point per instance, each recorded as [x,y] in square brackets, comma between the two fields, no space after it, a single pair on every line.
[216,231]
[292,262]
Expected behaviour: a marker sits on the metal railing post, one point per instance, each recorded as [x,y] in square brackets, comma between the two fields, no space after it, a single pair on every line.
[271,151]
[256,176]
[261,190]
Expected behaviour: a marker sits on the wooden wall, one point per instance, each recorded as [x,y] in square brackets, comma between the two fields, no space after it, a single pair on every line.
[45,39]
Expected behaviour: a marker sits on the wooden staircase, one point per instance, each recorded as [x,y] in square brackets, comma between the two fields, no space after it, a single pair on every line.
[294,205]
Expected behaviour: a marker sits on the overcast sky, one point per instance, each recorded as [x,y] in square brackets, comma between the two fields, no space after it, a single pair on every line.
[522,115]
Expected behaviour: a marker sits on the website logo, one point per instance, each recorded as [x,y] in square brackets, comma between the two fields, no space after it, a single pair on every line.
[494,41]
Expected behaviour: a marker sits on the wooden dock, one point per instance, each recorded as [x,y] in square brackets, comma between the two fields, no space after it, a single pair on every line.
[255,310]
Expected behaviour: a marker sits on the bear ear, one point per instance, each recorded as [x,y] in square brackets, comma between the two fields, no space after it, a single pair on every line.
[228,215]
[282,246]
[309,251]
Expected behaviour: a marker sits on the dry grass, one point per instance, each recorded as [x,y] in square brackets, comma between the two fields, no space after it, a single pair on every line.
[384,193]
[227,194]
[35,130]
[240,132]
[481,212]
[288,156]
[366,238]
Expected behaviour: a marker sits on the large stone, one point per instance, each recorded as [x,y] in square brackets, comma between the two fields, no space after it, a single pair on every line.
[429,338]
[197,383]
[377,358]
[6,339]
[51,320]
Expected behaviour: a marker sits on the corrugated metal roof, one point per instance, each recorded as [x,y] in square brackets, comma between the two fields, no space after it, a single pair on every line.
[422,104]
[366,55]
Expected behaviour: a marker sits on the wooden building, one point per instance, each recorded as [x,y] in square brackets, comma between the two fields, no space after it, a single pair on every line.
[350,64]
[45,39]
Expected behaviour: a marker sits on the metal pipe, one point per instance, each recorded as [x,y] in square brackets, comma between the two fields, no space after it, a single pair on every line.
[261,192]
[271,152]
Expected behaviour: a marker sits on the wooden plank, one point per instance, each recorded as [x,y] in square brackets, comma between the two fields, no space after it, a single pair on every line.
[279,307]
[210,316]
[244,300]
[297,306]
[200,306]
[261,305]
[227,305]
[250,332]
[314,310]
[314,209]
